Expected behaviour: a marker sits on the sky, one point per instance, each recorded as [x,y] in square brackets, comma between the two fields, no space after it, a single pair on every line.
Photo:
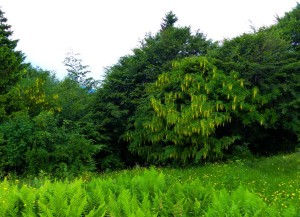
[103,31]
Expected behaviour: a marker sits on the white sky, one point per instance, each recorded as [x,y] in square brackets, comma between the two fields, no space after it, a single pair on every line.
[102,31]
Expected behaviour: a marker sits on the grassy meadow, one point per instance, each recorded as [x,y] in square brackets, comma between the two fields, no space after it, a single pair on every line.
[254,187]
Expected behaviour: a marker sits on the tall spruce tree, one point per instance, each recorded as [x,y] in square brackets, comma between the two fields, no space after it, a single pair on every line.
[169,20]
[11,63]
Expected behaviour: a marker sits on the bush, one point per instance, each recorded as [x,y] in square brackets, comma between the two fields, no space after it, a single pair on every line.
[31,145]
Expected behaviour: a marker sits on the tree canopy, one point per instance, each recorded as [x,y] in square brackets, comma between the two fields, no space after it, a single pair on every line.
[179,98]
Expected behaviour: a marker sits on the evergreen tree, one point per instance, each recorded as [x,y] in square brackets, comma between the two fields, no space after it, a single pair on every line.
[169,20]
[11,64]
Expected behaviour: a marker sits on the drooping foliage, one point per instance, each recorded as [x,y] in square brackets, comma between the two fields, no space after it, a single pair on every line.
[124,85]
[188,110]
[34,93]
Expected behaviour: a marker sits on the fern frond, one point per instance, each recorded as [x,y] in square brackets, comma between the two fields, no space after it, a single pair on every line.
[124,202]
[100,211]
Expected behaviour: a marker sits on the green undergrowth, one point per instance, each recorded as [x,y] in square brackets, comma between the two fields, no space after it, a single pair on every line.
[256,187]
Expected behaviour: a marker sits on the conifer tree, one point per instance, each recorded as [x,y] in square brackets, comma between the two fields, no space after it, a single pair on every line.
[11,63]
[10,60]
[169,20]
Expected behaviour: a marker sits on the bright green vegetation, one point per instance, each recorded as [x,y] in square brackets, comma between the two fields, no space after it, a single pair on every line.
[257,187]
[187,106]
[178,99]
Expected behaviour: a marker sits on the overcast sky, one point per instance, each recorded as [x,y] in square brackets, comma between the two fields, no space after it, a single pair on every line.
[103,31]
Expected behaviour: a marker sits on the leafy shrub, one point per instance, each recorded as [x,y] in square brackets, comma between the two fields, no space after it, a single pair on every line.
[241,152]
[31,145]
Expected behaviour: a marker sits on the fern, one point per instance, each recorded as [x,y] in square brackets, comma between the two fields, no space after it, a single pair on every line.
[240,203]
[196,209]
[9,201]
[77,201]
[114,210]
[146,204]
[124,202]
[95,196]
[148,193]
[178,208]
[100,211]
[140,213]
[27,196]
[54,201]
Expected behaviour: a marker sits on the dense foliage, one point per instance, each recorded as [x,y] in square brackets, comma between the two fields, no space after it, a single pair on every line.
[123,88]
[178,98]
[233,189]
[11,65]
[189,110]
[44,123]
[268,60]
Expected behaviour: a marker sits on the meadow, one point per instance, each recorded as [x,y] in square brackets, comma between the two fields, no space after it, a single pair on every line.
[254,187]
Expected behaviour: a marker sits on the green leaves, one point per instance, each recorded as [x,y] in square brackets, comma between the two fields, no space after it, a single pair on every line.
[269,59]
[60,150]
[186,107]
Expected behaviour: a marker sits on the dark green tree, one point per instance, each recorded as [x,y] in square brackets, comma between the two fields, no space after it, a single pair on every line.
[11,64]
[45,124]
[169,20]
[123,88]
[289,26]
[288,75]
[267,59]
